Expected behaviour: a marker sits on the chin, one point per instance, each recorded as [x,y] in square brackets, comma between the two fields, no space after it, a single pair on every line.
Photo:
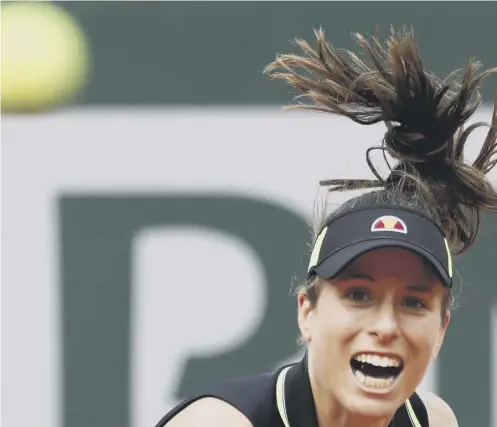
[373,408]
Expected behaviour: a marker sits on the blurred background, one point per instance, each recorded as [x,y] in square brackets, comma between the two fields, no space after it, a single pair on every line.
[156,200]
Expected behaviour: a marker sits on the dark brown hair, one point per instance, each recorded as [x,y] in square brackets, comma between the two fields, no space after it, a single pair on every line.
[425,118]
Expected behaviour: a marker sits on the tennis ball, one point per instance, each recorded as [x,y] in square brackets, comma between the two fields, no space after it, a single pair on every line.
[45,57]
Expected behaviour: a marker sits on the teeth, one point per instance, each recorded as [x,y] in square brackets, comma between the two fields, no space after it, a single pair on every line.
[374,382]
[360,376]
[392,362]
[385,361]
[376,360]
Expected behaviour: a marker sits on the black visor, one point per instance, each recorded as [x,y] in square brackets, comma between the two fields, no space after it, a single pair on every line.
[349,235]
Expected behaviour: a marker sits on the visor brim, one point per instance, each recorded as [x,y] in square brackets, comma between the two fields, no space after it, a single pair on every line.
[335,263]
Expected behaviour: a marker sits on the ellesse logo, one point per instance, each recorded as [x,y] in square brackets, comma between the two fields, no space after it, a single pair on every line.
[389,223]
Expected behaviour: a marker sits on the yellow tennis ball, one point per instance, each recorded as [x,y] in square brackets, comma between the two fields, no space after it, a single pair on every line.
[45,57]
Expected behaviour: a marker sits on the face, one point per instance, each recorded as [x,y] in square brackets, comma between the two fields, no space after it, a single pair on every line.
[383,309]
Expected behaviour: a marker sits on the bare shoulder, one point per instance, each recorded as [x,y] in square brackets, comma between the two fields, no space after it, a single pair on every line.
[440,414]
[209,412]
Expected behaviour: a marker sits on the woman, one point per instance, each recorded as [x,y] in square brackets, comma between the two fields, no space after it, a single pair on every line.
[376,305]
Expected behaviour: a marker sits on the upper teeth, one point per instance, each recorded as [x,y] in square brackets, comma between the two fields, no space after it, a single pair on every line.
[376,360]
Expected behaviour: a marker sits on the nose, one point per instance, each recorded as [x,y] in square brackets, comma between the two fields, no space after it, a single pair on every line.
[385,325]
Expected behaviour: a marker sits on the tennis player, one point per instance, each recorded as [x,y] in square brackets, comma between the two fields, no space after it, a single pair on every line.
[376,304]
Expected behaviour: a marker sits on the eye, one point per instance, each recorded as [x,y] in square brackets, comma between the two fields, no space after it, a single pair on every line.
[359,295]
[414,303]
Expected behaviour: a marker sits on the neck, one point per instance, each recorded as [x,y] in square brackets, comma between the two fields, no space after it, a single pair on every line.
[330,413]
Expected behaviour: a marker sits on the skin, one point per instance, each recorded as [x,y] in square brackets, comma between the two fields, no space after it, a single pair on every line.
[386,301]
[439,413]
[209,412]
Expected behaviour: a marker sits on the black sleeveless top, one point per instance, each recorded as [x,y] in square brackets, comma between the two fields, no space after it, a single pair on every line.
[284,399]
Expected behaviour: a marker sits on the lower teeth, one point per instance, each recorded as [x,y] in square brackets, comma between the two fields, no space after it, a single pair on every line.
[374,382]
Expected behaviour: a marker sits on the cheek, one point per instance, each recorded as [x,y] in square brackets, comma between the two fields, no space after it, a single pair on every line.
[421,336]
[334,324]
[330,348]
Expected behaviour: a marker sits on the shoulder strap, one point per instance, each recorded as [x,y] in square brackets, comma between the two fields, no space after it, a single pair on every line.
[280,397]
[417,411]
[411,414]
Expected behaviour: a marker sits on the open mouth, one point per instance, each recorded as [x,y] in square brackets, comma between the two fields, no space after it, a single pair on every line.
[375,371]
